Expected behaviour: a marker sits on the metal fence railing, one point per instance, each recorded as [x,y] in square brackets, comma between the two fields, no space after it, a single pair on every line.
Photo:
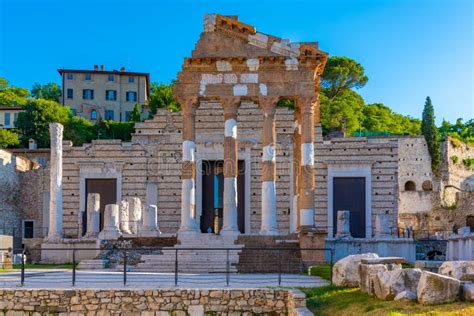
[221,267]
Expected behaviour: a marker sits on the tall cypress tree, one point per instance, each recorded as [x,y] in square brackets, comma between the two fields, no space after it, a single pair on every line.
[430,131]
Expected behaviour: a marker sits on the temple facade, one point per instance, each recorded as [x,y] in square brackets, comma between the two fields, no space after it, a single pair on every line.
[234,161]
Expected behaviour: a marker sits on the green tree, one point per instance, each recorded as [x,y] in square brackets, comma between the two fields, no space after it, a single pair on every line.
[34,121]
[161,96]
[79,130]
[429,130]
[12,96]
[344,110]
[8,138]
[50,91]
[135,115]
[340,74]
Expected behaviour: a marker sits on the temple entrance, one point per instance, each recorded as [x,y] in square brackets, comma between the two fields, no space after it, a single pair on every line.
[107,188]
[213,193]
[349,194]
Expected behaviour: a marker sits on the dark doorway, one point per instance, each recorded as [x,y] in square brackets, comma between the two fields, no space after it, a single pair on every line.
[213,193]
[349,194]
[107,188]
[470,222]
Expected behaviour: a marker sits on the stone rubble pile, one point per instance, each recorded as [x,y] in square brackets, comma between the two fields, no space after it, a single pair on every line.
[384,278]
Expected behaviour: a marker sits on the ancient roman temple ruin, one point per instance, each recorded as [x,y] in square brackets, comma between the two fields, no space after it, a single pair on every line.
[243,162]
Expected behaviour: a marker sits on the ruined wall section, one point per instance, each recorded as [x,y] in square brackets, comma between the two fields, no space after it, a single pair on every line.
[381,155]
[455,175]
[107,155]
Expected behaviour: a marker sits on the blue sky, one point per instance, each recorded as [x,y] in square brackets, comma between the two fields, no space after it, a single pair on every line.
[409,48]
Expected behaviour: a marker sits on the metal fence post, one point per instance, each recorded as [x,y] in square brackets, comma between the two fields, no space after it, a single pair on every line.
[73,267]
[124,267]
[332,262]
[279,266]
[176,268]
[22,265]
[227,269]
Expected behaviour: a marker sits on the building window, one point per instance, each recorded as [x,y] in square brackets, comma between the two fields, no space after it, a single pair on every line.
[127,116]
[87,77]
[15,118]
[88,94]
[93,115]
[69,93]
[69,76]
[131,96]
[131,79]
[410,186]
[7,119]
[109,115]
[111,95]
[28,229]
[111,78]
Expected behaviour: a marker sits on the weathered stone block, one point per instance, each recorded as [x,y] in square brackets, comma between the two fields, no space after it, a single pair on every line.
[437,289]
[346,270]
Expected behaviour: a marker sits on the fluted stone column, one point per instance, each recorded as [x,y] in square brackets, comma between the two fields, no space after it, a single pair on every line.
[93,215]
[150,222]
[124,217]
[188,168]
[269,214]
[307,105]
[111,223]
[55,231]
[230,105]
[297,164]
[135,209]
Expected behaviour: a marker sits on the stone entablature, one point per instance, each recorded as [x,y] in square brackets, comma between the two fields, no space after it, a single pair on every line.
[155,301]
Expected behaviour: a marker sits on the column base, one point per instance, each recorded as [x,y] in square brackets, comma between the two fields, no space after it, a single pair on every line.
[229,232]
[110,234]
[188,231]
[269,232]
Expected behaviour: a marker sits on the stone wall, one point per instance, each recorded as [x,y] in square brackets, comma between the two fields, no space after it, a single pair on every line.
[455,175]
[20,194]
[155,302]
[380,156]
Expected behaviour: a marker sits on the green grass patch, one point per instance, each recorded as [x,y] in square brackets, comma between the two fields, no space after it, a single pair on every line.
[336,300]
[322,271]
[44,266]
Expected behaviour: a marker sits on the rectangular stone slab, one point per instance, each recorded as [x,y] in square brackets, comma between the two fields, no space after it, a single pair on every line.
[384,260]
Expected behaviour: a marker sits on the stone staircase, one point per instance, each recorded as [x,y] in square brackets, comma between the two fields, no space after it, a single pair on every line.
[267,261]
[92,264]
[193,261]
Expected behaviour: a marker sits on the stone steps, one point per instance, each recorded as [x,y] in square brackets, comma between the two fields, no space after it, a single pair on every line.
[193,261]
[91,264]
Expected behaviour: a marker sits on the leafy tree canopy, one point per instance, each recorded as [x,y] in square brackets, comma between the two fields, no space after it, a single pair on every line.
[379,117]
[34,121]
[340,74]
[161,96]
[50,91]
[348,107]
[12,96]
[8,138]
[459,130]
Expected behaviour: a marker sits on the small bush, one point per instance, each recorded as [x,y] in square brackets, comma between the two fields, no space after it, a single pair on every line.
[454,159]
[468,162]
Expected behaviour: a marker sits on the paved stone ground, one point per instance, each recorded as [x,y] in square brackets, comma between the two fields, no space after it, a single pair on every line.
[106,279]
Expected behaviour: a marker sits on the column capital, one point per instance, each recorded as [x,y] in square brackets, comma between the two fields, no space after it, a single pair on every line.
[307,104]
[230,106]
[268,104]
[189,104]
